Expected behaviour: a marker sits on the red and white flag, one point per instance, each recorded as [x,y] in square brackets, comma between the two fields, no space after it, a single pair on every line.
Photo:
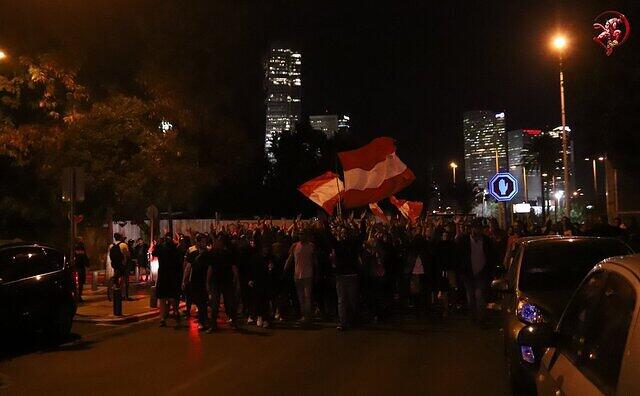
[375,209]
[373,172]
[410,209]
[324,190]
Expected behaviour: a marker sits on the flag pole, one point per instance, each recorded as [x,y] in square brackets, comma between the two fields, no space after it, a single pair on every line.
[339,196]
[338,185]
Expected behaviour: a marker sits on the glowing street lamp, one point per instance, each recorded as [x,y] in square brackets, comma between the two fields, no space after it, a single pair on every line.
[3,55]
[560,43]
[453,166]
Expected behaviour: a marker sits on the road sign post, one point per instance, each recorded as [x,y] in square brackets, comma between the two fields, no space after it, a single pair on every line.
[503,187]
[72,183]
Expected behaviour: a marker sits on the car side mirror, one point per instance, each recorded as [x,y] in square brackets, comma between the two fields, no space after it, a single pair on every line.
[500,285]
[539,336]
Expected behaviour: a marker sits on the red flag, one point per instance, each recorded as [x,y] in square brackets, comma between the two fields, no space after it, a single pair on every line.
[324,190]
[409,209]
[373,172]
[375,209]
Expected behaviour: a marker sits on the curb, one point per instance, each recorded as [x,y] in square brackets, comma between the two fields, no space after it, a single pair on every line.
[125,319]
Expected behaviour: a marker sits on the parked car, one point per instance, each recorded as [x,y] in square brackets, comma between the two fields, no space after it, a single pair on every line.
[595,348]
[37,291]
[542,274]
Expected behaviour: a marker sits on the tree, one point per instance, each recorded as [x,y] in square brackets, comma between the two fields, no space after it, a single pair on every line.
[49,123]
[465,194]
[540,154]
[39,98]
[298,156]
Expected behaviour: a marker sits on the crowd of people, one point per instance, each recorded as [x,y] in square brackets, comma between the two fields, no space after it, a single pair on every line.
[349,270]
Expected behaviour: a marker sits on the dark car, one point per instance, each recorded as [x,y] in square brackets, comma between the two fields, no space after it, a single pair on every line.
[542,274]
[37,291]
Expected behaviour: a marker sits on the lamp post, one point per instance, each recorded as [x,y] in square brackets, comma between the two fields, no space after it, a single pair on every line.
[558,195]
[3,55]
[560,43]
[453,166]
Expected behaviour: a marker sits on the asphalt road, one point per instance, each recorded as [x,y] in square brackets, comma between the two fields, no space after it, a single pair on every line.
[406,357]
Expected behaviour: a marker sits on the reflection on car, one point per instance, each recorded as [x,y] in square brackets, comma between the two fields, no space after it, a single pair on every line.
[543,273]
[37,291]
[595,348]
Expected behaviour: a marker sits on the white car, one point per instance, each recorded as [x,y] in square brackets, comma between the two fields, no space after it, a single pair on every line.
[595,348]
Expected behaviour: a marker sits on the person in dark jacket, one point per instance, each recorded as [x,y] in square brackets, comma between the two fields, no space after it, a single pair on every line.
[168,285]
[477,261]
[256,278]
[197,262]
[141,251]
[221,276]
[345,256]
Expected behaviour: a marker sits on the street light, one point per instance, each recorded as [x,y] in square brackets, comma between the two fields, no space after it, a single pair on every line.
[558,195]
[3,55]
[595,173]
[453,166]
[560,44]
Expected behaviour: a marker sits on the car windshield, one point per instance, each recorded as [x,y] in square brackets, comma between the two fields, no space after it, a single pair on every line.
[560,265]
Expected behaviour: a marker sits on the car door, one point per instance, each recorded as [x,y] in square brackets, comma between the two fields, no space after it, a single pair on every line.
[592,339]
[8,276]
[29,284]
[509,300]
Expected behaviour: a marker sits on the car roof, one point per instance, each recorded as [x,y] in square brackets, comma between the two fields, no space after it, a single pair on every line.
[17,243]
[548,239]
[630,262]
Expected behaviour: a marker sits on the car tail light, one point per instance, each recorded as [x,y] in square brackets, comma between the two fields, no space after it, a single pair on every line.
[530,313]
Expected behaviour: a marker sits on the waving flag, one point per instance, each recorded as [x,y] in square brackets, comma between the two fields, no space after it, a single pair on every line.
[410,210]
[375,209]
[324,190]
[373,172]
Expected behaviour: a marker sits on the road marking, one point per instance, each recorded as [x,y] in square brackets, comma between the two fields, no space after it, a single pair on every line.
[180,389]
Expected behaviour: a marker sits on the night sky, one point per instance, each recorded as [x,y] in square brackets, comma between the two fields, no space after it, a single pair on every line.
[406,69]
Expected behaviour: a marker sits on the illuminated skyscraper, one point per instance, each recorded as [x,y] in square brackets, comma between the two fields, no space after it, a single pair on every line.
[283,82]
[518,143]
[558,171]
[484,136]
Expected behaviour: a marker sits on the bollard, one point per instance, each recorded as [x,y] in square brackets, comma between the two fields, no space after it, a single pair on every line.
[94,281]
[117,302]
[153,301]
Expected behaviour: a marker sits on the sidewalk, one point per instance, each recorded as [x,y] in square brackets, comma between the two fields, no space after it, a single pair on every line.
[96,308]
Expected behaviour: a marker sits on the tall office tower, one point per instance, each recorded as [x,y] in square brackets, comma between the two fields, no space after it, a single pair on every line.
[330,124]
[557,183]
[283,85]
[518,142]
[484,145]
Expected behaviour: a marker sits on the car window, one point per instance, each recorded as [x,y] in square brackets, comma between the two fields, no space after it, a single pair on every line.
[560,265]
[25,262]
[579,316]
[607,337]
